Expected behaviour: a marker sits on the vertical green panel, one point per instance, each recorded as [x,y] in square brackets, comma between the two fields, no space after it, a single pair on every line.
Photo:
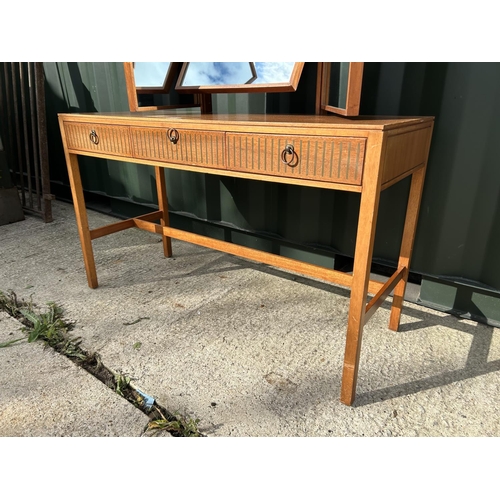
[239,103]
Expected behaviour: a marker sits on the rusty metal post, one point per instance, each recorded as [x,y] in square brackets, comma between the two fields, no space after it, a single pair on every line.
[42,142]
[34,135]
[9,139]
[22,88]
[18,134]
[23,121]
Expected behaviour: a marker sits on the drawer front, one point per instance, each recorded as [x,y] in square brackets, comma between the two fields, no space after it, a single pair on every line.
[334,159]
[191,147]
[108,139]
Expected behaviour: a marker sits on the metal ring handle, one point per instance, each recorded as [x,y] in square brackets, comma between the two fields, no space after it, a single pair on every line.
[94,137]
[173,135]
[288,151]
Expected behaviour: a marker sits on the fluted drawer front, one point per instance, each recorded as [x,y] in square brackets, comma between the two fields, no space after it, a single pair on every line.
[192,147]
[337,159]
[109,139]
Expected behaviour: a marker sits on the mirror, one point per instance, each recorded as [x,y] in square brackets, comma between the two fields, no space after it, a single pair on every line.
[230,77]
[153,76]
[340,87]
[149,86]
[210,73]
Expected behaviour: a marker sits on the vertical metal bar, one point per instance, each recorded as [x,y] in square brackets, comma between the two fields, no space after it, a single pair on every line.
[8,104]
[24,116]
[36,163]
[18,133]
[42,142]
[2,109]
[3,118]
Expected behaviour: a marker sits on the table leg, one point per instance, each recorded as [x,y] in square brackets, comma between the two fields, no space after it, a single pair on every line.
[359,289]
[81,218]
[414,198]
[161,189]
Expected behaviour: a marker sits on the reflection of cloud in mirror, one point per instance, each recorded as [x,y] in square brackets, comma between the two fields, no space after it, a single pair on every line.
[273,72]
[217,73]
[236,73]
[150,74]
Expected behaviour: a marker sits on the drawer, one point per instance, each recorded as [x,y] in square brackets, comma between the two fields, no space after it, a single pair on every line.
[334,159]
[108,139]
[183,146]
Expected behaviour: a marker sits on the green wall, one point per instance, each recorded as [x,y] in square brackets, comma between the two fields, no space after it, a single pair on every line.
[458,238]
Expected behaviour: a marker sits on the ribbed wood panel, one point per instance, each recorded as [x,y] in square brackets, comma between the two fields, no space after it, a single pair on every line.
[193,147]
[112,139]
[337,159]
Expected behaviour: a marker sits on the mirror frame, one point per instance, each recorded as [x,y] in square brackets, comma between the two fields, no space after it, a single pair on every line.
[167,83]
[133,90]
[290,86]
[354,83]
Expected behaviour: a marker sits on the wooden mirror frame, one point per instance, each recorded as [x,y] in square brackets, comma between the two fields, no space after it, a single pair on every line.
[133,90]
[353,98]
[289,86]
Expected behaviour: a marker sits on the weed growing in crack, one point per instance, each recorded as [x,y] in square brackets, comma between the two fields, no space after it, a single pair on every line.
[50,327]
[176,424]
[122,382]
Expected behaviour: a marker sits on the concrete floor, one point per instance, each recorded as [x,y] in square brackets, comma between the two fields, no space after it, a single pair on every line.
[247,349]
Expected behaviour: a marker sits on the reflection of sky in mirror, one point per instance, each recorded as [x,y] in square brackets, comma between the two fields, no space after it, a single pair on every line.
[234,73]
[273,72]
[217,73]
[150,74]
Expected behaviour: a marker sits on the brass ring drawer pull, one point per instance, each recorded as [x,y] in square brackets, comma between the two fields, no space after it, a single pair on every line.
[173,135]
[94,137]
[288,151]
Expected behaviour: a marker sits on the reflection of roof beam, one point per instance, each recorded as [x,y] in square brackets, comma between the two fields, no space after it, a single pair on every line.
[254,72]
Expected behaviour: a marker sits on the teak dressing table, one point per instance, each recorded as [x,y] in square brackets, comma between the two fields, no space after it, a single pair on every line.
[362,155]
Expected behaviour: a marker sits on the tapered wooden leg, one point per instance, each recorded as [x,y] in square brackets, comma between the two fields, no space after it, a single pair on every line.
[361,275]
[161,189]
[414,198]
[81,218]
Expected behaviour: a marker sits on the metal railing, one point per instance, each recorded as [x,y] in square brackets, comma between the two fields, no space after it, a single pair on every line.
[24,131]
